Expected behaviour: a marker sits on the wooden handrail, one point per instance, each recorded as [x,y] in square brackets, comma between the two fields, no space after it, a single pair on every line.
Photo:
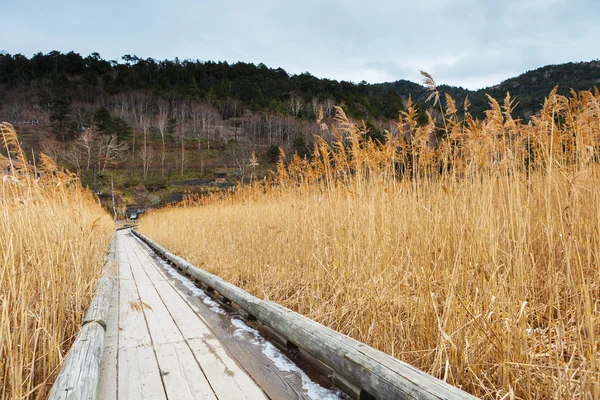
[80,373]
[377,374]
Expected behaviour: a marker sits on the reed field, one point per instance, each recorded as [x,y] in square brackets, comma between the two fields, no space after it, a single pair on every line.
[54,236]
[475,258]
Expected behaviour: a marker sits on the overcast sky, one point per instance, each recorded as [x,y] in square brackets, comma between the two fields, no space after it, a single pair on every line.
[469,43]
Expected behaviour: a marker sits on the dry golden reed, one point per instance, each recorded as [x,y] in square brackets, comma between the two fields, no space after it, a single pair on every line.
[53,240]
[475,258]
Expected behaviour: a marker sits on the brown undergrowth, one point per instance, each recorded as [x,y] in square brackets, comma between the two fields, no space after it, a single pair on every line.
[53,240]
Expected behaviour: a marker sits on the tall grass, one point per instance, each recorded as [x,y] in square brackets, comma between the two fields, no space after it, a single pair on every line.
[476,259]
[53,239]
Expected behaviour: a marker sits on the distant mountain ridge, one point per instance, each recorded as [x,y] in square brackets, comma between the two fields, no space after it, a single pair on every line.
[258,88]
[529,89]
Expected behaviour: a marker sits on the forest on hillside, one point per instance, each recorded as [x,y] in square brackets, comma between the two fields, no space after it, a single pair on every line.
[233,87]
[140,124]
[56,78]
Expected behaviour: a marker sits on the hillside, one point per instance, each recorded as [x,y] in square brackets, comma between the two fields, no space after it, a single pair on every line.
[237,87]
[155,130]
[233,87]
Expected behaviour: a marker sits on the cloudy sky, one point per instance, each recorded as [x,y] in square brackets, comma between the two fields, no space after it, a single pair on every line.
[469,43]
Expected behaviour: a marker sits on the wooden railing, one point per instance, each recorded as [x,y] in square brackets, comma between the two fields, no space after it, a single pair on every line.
[80,373]
[376,374]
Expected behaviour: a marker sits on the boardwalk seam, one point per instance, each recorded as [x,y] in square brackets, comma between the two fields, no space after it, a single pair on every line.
[169,311]
[147,327]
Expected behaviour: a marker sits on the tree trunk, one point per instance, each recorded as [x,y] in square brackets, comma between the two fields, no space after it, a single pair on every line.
[163,156]
[182,154]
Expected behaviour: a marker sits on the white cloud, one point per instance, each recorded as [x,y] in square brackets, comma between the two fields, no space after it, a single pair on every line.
[470,43]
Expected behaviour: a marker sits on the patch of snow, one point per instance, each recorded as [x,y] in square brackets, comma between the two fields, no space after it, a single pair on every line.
[284,364]
[241,325]
[313,390]
[243,331]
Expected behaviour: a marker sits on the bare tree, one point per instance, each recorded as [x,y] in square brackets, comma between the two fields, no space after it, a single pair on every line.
[74,156]
[52,148]
[296,103]
[81,116]
[197,112]
[162,120]
[122,105]
[80,152]
[210,120]
[143,121]
[111,151]
[182,128]
[241,156]
[315,107]
[86,142]
[328,107]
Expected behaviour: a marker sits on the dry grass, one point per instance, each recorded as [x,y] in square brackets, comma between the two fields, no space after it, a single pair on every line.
[475,260]
[53,240]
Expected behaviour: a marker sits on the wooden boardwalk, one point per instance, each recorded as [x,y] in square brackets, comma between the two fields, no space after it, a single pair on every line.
[157,343]
[165,338]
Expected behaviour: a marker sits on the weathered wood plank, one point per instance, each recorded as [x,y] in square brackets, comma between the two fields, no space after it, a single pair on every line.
[228,380]
[100,304]
[260,369]
[107,386]
[182,376]
[251,358]
[187,320]
[132,324]
[98,310]
[160,323]
[79,376]
[139,376]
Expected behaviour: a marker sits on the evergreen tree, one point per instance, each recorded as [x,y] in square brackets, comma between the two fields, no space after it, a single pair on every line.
[102,120]
[60,108]
[120,129]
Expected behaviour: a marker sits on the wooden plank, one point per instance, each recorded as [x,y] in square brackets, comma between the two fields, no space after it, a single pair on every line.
[137,269]
[78,378]
[100,304]
[133,331]
[274,383]
[160,323]
[182,376]
[107,386]
[187,320]
[228,380]
[98,310]
[191,325]
[139,376]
